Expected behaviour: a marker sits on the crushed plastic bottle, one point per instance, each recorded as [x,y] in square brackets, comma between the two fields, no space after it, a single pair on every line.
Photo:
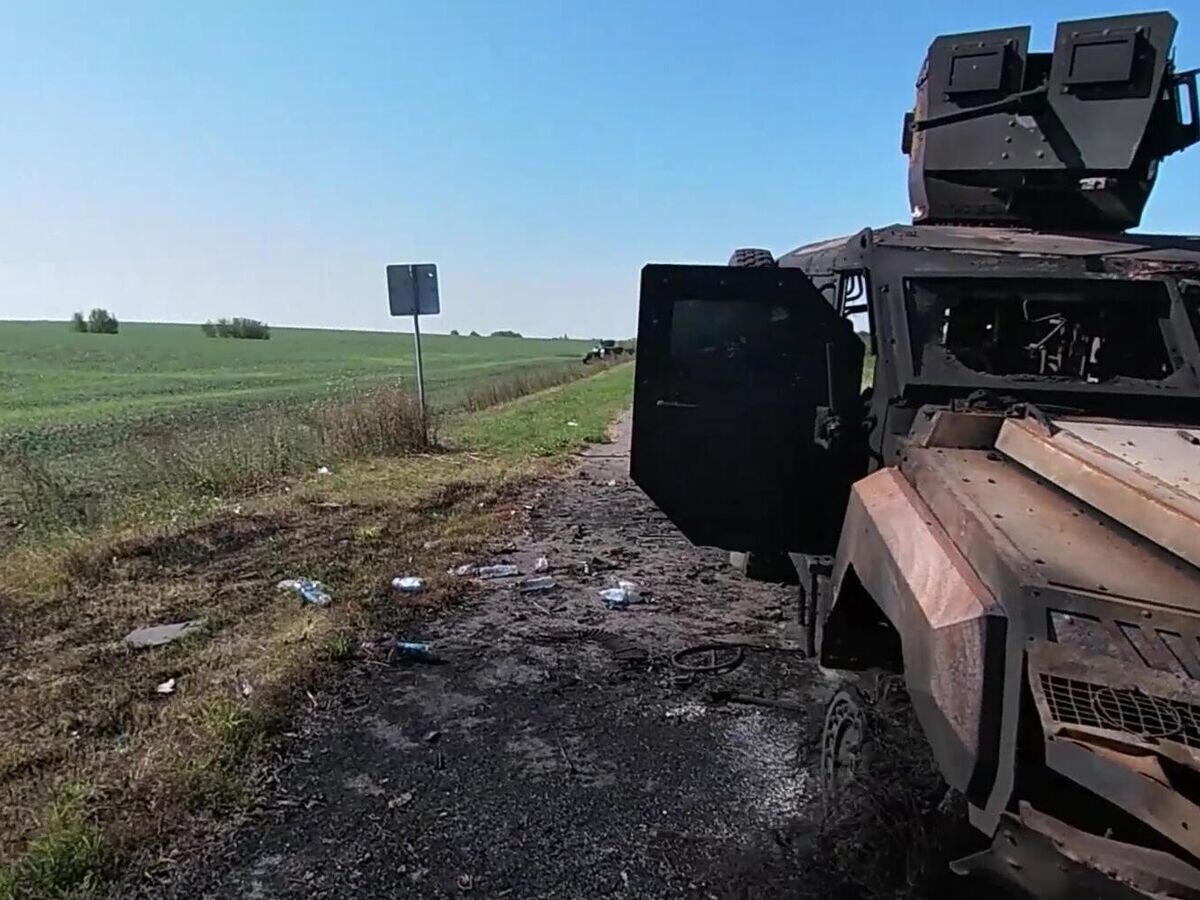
[310,591]
[415,651]
[409,584]
[501,570]
[464,570]
[624,595]
[537,585]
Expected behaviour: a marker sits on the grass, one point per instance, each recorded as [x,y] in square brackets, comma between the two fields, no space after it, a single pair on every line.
[82,710]
[163,474]
[53,376]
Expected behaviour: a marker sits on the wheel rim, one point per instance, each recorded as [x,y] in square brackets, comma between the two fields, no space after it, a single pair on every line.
[842,745]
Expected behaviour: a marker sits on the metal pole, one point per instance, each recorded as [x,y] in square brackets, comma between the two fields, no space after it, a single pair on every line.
[420,369]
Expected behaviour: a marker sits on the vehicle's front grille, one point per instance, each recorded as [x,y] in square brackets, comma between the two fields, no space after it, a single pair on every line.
[1074,702]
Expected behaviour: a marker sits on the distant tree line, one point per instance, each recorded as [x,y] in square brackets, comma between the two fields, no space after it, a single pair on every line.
[98,321]
[247,329]
[506,333]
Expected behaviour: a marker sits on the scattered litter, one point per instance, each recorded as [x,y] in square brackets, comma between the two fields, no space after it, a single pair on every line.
[323,470]
[157,635]
[542,564]
[689,711]
[416,651]
[501,570]
[465,883]
[409,584]
[429,545]
[464,570]
[401,800]
[625,594]
[167,687]
[612,482]
[310,591]
[572,424]
[244,687]
[537,585]
[432,736]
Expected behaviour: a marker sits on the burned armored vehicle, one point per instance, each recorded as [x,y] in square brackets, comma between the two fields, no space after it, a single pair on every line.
[1006,512]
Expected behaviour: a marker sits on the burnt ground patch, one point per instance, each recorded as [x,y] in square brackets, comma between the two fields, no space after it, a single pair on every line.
[557,753]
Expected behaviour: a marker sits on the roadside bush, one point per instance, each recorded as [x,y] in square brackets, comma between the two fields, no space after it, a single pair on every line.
[99,321]
[504,388]
[245,329]
[239,457]
[505,333]
[383,423]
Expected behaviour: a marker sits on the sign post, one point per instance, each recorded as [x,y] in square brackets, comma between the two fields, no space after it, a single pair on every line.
[413,291]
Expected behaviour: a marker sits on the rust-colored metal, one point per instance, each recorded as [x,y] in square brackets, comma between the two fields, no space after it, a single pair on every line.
[1146,477]
[893,548]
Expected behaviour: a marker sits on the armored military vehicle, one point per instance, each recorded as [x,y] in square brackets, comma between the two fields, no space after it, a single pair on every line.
[1006,515]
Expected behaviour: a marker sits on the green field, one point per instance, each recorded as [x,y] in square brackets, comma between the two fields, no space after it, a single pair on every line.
[51,376]
[93,421]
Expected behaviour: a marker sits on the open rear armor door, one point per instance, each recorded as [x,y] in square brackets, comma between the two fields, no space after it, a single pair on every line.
[743,376]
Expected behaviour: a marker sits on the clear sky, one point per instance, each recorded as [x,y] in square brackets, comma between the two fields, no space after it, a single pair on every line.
[179,161]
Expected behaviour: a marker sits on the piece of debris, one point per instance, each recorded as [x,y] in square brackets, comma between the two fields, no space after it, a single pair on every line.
[625,594]
[157,635]
[612,482]
[726,696]
[709,659]
[244,687]
[571,423]
[324,470]
[500,570]
[415,651]
[167,687]
[409,584]
[310,591]
[401,800]
[464,570]
[537,585]
[432,736]
[465,883]
[688,712]
[542,565]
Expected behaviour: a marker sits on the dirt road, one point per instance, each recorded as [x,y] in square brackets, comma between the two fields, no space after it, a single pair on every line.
[557,753]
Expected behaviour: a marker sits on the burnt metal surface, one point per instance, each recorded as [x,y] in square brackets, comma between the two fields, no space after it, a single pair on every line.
[951,629]
[1052,860]
[1022,531]
[1146,477]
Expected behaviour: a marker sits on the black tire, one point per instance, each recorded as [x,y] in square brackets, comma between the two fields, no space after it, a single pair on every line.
[759,566]
[885,803]
[752,258]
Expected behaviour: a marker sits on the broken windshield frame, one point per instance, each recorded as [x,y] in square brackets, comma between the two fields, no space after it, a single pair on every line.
[1074,333]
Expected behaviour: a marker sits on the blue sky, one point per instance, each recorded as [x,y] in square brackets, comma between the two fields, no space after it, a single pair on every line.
[176,162]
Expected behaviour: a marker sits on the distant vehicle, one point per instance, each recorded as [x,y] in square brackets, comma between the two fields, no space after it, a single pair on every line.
[1008,518]
[606,350]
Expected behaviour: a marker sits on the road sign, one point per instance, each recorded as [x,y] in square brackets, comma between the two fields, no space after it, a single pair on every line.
[413,290]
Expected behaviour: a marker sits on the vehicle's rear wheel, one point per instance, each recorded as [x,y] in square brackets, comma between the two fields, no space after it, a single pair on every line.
[752,258]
